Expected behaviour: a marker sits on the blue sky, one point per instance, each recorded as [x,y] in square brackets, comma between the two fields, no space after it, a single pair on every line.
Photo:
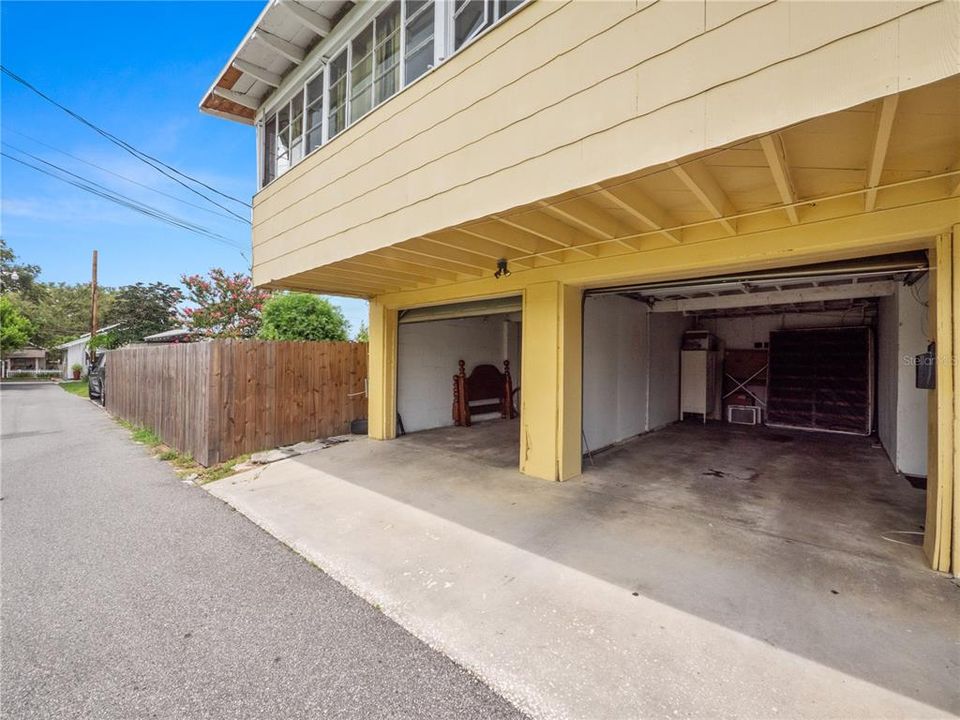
[137,69]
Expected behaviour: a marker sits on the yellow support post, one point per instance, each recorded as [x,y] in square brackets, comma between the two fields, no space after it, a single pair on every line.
[938,542]
[382,371]
[551,381]
[955,312]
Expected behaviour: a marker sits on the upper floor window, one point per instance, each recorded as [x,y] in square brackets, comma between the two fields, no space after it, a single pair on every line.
[337,93]
[397,46]
[418,52]
[361,73]
[387,53]
[314,116]
[269,144]
[469,18]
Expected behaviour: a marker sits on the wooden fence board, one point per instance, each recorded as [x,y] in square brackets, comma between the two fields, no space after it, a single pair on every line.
[223,398]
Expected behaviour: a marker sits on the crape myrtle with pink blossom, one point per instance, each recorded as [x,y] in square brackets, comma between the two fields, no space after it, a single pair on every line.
[222,305]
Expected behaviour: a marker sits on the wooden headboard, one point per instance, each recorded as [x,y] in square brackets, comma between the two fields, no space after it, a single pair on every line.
[485,390]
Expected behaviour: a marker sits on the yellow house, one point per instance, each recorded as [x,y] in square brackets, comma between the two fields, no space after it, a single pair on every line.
[685,167]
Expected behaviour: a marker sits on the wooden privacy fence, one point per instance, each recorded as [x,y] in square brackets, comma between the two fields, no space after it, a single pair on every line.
[223,398]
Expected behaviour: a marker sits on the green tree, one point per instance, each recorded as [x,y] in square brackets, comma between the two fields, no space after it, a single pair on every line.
[363,334]
[14,327]
[299,316]
[17,277]
[142,310]
[61,312]
[223,305]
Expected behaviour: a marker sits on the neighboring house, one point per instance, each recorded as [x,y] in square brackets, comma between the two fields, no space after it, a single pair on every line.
[176,335]
[75,352]
[577,185]
[29,357]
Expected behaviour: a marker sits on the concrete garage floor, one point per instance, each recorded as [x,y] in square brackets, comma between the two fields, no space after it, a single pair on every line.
[697,571]
[831,491]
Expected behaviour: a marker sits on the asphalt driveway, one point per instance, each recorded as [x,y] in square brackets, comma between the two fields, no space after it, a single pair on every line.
[127,593]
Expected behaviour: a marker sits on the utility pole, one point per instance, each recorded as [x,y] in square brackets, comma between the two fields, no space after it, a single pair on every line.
[93,307]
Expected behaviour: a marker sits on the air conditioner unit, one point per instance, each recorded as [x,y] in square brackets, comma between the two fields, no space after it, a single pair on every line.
[743,414]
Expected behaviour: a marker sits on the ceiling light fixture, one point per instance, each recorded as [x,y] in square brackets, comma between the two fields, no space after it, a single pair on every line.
[502,270]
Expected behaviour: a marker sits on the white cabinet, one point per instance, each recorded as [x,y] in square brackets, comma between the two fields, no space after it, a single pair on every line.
[699,382]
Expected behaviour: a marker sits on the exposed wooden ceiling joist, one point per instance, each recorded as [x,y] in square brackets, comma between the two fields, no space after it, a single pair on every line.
[407,255]
[881,142]
[585,217]
[548,228]
[700,181]
[377,262]
[629,198]
[348,277]
[492,252]
[776,157]
[399,276]
[428,248]
[517,240]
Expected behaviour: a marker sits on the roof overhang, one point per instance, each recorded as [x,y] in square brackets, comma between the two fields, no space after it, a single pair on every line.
[85,338]
[841,167]
[278,42]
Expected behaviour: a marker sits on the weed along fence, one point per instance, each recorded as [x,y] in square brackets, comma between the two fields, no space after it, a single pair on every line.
[223,398]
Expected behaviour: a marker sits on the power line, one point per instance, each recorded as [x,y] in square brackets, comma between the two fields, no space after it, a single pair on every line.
[124,177]
[153,162]
[122,200]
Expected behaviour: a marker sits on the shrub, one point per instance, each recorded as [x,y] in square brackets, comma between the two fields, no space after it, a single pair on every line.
[299,316]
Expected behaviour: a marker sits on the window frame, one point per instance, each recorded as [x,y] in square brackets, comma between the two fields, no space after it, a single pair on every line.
[489,18]
[377,73]
[372,27]
[345,79]
[443,39]
[321,74]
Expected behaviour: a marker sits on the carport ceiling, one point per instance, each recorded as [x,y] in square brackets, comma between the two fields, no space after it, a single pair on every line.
[897,151]
[811,288]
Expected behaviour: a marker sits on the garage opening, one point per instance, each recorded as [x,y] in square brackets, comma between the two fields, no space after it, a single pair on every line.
[470,409]
[790,400]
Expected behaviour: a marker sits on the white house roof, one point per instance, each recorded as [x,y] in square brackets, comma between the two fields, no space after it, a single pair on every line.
[166,334]
[85,338]
[279,40]
[27,351]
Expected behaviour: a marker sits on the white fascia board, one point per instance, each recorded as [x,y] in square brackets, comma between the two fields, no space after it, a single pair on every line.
[227,116]
[779,297]
[235,54]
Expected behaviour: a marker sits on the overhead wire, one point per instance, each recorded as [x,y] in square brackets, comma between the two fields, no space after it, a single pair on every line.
[163,168]
[106,193]
[127,179]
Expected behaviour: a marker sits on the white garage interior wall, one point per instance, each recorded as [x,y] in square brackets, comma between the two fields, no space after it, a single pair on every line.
[666,337]
[902,418]
[631,365]
[631,369]
[888,331]
[615,369]
[427,359]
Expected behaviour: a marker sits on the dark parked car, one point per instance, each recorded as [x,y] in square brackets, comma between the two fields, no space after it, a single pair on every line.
[97,377]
